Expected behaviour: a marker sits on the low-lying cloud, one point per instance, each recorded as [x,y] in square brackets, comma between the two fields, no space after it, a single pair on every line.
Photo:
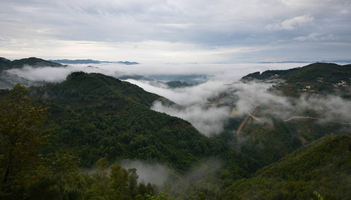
[217,104]
[208,121]
[153,173]
[208,106]
[223,72]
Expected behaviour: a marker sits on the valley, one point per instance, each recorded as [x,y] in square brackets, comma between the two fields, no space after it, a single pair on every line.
[264,137]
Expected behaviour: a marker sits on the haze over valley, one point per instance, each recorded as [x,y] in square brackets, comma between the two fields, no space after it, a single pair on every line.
[236,120]
[175,99]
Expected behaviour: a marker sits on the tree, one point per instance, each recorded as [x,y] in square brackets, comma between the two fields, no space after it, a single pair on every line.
[118,187]
[21,138]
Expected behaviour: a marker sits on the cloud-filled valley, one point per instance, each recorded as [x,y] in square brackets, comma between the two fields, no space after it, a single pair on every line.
[209,105]
[175,99]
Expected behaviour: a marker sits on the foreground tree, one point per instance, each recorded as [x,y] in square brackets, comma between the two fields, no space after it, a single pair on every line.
[20,140]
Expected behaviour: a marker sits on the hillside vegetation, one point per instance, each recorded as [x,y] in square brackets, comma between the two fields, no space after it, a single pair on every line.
[96,116]
[8,80]
[324,166]
[322,78]
[6,64]
[97,121]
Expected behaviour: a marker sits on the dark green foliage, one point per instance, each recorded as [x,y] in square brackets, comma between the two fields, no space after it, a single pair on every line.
[52,188]
[324,166]
[98,116]
[322,78]
[329,72]
[269,141]
[4,64]
[34,62]
[8,80]
[21,137]
[100,119]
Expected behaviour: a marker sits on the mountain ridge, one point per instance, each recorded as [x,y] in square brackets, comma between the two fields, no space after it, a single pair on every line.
[90,61]
[316,167]
[98,116]
[6,64]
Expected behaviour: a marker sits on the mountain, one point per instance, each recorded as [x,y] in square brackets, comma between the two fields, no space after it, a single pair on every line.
[259,155]
[315,78]
[6,64]
[96,116]
[177,84]
[8,80]
[90,61]
[322,61]
[329,72]
[323,166]
[274,128]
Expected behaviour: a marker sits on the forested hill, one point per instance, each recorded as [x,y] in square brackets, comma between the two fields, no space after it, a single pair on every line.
[94,85]
[97,116]
[317,78]
[323,167]
[6,64]
[327,72]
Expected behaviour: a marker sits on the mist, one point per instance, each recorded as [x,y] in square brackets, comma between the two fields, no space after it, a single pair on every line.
[210,105]
[227,72]
[153,173]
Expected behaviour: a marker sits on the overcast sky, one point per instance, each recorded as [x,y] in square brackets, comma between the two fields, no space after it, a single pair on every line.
[176,31]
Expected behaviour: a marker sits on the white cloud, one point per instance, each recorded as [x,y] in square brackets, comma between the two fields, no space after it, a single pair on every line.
[315,37]
[291,24]
[208,121]
[174,31]
[208,106]
[153,173]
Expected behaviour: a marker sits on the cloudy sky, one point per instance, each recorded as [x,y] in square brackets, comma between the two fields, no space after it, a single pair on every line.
[177,31]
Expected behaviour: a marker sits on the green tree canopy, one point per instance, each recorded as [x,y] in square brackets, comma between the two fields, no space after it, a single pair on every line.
[20,139]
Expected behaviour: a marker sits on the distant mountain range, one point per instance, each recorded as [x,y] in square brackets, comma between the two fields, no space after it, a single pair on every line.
[6,64]
[90,61]
[316,78]
[321,61]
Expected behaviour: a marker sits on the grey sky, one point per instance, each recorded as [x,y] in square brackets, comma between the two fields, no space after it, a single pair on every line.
[177,31]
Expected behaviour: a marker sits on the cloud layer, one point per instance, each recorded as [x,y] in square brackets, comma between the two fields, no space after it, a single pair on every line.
[209,106]
[175,31]
[212,110]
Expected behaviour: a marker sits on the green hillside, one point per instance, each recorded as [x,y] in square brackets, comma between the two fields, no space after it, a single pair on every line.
[329,72]
[6,64]
[102,120]
[269,142]
[324,166]
[96,116]
[8,80]
[321,78]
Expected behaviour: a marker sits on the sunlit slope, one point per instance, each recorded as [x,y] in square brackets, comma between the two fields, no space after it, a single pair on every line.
[324,166]
[97,116]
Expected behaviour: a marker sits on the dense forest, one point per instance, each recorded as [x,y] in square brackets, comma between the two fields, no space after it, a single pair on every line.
[68,141]
[321,78]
